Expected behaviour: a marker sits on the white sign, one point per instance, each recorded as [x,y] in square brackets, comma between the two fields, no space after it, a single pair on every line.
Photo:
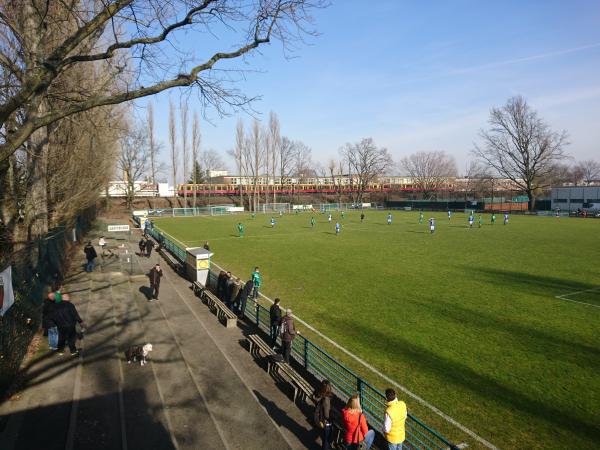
[7,297]
[140,212]
[118,228]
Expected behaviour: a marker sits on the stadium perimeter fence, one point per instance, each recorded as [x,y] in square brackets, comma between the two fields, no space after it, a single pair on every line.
[321,365]
[268,208]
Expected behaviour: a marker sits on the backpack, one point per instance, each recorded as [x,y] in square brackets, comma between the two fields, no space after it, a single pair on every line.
[284,327]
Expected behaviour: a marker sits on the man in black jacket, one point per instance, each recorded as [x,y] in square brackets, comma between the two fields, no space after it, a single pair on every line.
[90,254]
[275,316]
[155,274]
[65,317]
[240,305]
[149,247]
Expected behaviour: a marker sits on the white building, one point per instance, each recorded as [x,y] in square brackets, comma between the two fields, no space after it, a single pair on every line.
[572,198]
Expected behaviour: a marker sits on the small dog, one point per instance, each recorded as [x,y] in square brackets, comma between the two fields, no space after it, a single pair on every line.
[137,353]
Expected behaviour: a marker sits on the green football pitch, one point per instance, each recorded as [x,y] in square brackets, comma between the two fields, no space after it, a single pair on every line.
[498,326]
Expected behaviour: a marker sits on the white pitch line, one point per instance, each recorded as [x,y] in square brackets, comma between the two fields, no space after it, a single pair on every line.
[379,374]
[578,292]
[575,301]
[562,297]
[389,380]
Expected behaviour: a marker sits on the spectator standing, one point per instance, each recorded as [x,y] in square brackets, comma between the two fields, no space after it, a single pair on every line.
[275,316]
[240,306]
[322,398]
[235,291]
[90,255]
[48,322]
[155,275]
[288,334]
[256,280]
[149,247]
[393,421]
[142,245]
[65,316]
[355,425]
[221,280]
[228,290]
[206,246]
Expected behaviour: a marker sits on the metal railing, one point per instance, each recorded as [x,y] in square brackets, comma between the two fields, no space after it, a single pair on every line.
[321,365]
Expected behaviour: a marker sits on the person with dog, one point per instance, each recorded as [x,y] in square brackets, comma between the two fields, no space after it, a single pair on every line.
[155,274]
[393,420]
[275,321]
[90,255]
[322,397]
[288,334]
[65,317]
[355,425]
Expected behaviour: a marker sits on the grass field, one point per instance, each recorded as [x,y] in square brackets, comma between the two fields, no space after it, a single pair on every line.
[499,327]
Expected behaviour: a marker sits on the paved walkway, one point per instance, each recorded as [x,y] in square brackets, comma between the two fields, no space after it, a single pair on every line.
[201,389]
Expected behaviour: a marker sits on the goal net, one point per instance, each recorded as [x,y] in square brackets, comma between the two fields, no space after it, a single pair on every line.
[276,207]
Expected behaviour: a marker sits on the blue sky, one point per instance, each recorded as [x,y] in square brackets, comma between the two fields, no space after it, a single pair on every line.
[421,75]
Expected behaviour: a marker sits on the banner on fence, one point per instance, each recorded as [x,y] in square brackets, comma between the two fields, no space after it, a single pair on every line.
[7,297]
[118,228]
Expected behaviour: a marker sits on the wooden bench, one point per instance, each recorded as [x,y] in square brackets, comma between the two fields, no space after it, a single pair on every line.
[171,260]
[258,345]
[259,348]
[299,384]
[198,288]
[225,315]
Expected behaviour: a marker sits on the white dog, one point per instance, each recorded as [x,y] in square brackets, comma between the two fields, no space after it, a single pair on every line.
[137,353]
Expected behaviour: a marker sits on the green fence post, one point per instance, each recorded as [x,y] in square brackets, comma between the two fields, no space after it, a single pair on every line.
[306,344]
[359,384]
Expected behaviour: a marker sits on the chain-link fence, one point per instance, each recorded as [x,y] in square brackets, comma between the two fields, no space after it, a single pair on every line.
[36,266]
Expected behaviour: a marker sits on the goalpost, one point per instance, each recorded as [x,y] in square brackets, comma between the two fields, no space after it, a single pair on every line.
[276,207]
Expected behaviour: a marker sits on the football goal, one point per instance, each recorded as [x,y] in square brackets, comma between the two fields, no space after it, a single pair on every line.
[276,207]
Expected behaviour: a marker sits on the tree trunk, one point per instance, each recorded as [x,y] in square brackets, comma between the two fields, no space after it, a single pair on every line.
[530,200]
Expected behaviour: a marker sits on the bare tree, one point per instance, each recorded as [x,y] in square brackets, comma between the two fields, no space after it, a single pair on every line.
[211,161]
[266,151]
[132,160]
[336,170]
[562,173]
[303,166]
[478,181]
[153,148]
[238,154]
[275,141]
[430,171]
[366,162]
[173,144]
[589,171]
[286,159]
[254,159]
[196,139]
[183,109]
[103,32]
[521,146]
